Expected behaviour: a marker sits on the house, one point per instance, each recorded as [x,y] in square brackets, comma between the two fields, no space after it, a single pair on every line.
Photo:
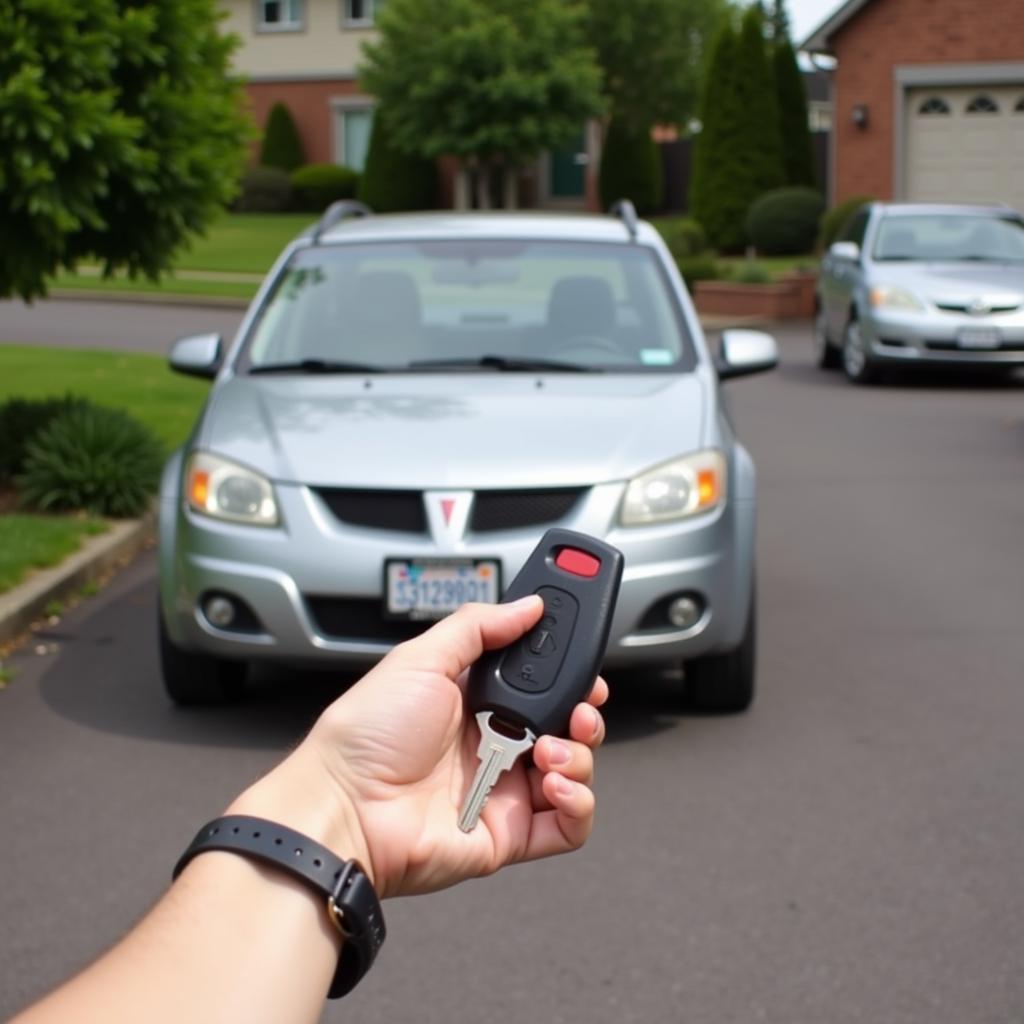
[305,54]
[927,98]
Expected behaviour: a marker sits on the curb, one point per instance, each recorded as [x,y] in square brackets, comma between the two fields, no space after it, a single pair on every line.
[149,298]
[20,607]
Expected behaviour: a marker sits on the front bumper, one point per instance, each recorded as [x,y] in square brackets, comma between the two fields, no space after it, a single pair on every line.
[288,576]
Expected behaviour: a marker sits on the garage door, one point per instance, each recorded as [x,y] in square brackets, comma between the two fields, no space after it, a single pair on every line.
[966,144]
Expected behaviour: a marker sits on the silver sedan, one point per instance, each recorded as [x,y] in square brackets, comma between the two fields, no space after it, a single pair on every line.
[411,401]
[910,285]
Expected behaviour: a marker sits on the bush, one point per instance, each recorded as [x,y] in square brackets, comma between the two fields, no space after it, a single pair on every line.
[264,190]
[750,272]
[282,146]
[631,167]
[92,458]
[784,222]
[836,219]
[21,420]
[393,180]
[684,237]
[698,268]
[316,186]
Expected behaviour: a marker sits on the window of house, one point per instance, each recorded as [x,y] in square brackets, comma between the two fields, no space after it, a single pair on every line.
[352,127]
[278,15]
[983,105]
[933,105]
[361,12]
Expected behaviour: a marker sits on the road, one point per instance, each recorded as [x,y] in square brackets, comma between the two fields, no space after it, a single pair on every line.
[852,850]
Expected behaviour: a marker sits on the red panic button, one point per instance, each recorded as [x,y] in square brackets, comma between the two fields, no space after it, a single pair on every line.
[579,563]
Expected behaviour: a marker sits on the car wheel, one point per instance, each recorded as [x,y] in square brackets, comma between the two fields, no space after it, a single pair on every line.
[724,683]
[857,363]
[826,355]
[195,679]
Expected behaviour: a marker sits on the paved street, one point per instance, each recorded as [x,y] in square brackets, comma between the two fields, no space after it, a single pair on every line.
[850,851]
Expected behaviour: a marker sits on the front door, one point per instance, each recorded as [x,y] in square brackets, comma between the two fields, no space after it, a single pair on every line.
[567,179]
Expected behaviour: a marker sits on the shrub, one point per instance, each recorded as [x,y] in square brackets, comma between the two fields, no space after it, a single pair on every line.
[684,237]
[282,146]
[784,222]
[316,186]
[393,180]
[21,420]
[698,268]
[750,272]
[92,458]
[631,167]
[836,219]
[264,190]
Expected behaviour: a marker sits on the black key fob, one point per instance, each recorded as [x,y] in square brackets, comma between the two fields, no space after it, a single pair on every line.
[535,682]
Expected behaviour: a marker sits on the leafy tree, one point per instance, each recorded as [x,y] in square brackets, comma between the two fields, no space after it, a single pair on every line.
[778,21]
[492,82]
[281,146]
[652,55]
[393,180]
[122,134]
[631,166]
[795,132]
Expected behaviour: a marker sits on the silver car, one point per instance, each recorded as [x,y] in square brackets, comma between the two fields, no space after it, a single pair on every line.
[411,401]
[913,285]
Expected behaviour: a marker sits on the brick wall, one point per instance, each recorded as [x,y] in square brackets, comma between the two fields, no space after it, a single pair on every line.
[889,33]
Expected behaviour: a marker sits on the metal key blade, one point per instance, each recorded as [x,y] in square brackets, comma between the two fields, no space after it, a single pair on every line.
[497,753]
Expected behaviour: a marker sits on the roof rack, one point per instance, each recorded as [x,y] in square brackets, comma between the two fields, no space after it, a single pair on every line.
[626,212]
[339,211]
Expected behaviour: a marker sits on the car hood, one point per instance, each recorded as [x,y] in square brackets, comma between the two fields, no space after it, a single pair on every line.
[464,431]
[947,282]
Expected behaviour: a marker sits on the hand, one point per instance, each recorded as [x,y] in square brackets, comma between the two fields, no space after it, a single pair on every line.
[400,753]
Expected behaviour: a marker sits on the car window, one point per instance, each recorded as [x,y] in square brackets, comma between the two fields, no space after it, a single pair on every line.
[942,237]
[856,227]
[393,305]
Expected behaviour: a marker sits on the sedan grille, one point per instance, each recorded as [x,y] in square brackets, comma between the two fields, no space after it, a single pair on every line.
[359,619]
[1005,306]
[379,510]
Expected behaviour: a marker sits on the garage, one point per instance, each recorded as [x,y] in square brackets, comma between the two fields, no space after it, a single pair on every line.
[965,143]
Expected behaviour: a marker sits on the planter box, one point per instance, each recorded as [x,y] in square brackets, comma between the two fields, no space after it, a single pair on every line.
[790,297]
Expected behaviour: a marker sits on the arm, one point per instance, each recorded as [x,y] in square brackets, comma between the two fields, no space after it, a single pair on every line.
[379,778]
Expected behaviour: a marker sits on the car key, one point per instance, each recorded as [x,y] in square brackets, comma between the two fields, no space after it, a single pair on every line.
[530,688]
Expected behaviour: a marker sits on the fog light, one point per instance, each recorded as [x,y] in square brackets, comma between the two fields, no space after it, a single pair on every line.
[684,612]
[219,611]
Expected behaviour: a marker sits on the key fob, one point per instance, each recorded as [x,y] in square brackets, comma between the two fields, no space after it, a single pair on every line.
[536,681]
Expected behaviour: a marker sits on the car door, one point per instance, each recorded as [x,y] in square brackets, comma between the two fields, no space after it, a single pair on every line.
[842,275]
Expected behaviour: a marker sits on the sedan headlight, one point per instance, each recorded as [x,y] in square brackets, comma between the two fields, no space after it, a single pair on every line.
[220,488]
[891,297]
[676,489]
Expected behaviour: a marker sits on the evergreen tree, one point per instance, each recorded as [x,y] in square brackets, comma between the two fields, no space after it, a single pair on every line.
[778,21]
[393,180]
[795,133]
[631,167]
[282,146]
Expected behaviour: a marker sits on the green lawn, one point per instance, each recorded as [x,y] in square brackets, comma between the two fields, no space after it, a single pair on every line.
[35,542]
[142,385]
[245,242]
[166,286]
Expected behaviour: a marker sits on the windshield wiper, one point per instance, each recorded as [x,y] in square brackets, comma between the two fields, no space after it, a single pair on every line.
[511,364]
[317,366]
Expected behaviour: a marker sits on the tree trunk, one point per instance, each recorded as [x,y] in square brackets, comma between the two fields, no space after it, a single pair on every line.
[462,191]
[483,186]
[510,187]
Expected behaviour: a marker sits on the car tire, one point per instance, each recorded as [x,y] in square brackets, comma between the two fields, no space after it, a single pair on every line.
[192,679]
[826,355]
[724,683]
[857,363]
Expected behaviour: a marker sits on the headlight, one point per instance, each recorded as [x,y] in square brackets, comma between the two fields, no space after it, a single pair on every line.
[676,489]
[894,298]
[223,489]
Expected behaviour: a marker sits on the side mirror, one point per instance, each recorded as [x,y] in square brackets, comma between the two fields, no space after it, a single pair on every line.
[198,355]
[742,352]
[844,251]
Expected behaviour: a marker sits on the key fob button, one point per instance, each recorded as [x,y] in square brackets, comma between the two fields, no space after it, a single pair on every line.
[533,664]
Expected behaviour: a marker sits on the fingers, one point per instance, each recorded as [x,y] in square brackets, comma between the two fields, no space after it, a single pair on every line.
[599,694]
[458,640]
[573,760]
[569,822]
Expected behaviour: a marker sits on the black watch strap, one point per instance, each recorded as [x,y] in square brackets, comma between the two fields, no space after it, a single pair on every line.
[349,896]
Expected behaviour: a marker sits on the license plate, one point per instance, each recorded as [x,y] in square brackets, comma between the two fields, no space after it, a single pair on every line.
[979,337]
[431,588]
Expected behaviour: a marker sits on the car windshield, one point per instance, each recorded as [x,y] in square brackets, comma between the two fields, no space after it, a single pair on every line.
[471,306]
[947,237]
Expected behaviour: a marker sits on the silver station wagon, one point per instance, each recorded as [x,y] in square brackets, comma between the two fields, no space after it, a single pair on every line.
[411,401]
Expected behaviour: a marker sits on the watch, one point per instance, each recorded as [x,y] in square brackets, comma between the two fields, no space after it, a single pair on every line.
[351,901]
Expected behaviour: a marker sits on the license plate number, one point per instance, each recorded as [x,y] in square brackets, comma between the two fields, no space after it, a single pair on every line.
[979,337]
[432,588]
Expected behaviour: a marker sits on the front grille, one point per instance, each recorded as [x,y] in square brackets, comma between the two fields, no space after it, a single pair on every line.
[379,510]
[509,510]
[1007,306]
[952,346]
[359,618]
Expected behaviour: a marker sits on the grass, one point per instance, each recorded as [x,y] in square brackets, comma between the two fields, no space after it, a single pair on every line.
[165,286]
[35,542]
[245,242]
[142,385]
[775,266]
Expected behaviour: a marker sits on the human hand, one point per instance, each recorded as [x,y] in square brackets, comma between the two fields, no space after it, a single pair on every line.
[397,754]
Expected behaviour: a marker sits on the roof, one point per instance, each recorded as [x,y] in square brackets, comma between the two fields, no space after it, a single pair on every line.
[819,41]
[531,225]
